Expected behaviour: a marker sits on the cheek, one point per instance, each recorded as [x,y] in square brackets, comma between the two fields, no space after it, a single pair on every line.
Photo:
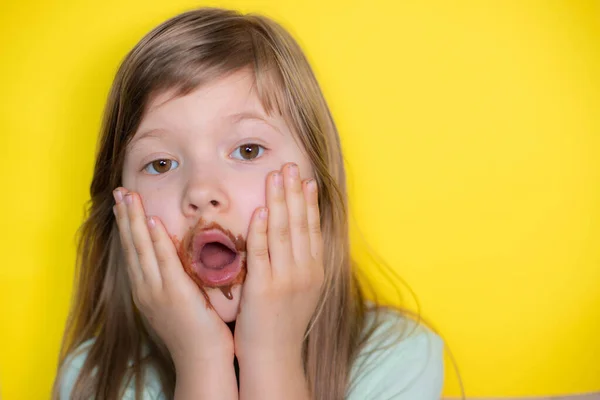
[306,171]
[159,203]
[247,194]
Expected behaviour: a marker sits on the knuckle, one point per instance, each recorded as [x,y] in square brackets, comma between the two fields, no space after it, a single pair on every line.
[142,301]
[126,248]
[302,225]
[315,229]
[161,259]
[283,232]
[136,250]
[144,259]
[261,252]
[161,256]
[155,239]
[139,251]
[296,189]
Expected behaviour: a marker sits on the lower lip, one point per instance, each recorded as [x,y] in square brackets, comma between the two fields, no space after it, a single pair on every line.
[215,277]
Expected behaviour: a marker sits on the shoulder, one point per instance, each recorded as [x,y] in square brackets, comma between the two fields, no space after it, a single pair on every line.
[69,371]
[71,368]
[400,360]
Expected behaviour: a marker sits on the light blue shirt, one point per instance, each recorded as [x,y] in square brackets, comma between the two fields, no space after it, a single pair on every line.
[401,361]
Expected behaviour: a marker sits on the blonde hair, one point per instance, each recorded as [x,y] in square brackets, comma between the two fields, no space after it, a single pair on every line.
[180,55]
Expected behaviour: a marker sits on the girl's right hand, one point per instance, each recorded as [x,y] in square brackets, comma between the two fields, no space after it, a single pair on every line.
[165,294]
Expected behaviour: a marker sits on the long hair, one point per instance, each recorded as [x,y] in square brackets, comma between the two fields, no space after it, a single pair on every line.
[180,55]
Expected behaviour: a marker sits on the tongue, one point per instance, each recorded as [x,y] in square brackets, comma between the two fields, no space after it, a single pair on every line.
[215,255]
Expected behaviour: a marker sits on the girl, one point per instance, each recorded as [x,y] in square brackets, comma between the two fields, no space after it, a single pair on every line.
[215,260]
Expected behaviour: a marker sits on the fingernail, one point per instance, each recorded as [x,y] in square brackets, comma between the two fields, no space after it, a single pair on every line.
[118,196]
[151,222]
[311,185]
[293,168]
[128,198]
[277,179]
[262,214]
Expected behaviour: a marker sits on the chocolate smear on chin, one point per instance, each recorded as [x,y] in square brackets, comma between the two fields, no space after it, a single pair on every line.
[184,250]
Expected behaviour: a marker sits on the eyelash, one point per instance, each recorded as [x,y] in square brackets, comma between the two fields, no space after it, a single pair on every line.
[261,150]
[159,159]
[260,153]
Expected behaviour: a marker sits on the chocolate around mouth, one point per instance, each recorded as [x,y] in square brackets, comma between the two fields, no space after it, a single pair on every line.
[190,257]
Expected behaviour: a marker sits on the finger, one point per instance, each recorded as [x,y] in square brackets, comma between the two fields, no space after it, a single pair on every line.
[296,207]
[142,243]
[169,264]
[257,248]
[133,265]
[278,232]
[314,218]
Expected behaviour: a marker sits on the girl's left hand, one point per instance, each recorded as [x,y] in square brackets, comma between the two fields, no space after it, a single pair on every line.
[285,271]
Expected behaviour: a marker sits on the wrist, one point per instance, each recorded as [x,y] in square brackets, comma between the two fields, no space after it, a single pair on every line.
[271,360]
[205,360]
[273,375]
[214,379]
[204,369]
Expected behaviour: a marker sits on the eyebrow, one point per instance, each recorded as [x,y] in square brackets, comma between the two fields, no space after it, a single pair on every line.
[234,118]
[155,133]
[251,115]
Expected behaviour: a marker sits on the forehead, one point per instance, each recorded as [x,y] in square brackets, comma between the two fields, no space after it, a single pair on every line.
[224,97]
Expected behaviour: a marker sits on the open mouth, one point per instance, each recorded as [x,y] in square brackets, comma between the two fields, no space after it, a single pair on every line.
[215,259]
[215,255]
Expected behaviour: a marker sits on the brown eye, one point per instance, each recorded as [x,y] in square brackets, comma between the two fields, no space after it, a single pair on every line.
[248,151]
[161,166]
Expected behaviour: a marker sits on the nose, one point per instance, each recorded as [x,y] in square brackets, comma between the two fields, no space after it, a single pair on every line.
[204,195]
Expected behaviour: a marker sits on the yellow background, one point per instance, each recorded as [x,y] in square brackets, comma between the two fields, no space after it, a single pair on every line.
[472,135]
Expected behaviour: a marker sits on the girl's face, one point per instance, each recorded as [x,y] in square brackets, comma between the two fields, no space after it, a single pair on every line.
[206,156]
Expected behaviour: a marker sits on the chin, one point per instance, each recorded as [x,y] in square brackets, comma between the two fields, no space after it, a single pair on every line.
[226,309]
